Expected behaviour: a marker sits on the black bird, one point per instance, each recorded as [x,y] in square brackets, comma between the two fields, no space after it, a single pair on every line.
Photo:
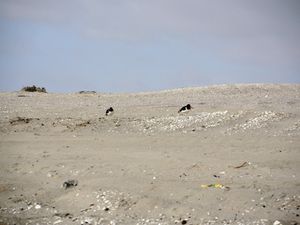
[109,111]
[185,108]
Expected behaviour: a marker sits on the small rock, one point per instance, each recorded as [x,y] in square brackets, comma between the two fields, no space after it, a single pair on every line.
[184,222]
[277,223]
[70,183]
[57,221]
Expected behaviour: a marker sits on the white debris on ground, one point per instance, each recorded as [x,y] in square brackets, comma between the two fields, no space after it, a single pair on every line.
[230,121]
[260,120]
[173,123]
[292,130]
[107,206]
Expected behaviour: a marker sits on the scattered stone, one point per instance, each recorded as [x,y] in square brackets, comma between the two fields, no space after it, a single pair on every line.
[87,92]
[184,222]
[70,183]
[83,124]
[277,223]
[19,119]
[57,221]
[262,119]
[63,215]
[87,221]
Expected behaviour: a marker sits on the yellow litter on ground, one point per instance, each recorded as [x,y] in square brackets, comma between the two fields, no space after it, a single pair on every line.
[213,185]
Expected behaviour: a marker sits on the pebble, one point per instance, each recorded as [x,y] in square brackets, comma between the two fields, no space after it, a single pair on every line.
[277,223]
[184,222]
[57,221]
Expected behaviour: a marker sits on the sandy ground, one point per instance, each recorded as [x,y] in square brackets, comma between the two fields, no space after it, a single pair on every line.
[233,159]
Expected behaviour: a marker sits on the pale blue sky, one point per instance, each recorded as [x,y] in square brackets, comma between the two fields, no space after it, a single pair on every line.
[142,45]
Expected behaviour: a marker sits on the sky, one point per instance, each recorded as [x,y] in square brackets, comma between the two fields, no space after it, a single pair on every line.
[141,45]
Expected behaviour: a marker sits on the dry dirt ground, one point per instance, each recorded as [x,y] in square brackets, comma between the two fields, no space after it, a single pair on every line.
[233,159]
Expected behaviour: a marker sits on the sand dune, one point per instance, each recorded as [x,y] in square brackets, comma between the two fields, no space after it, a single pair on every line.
[233,159]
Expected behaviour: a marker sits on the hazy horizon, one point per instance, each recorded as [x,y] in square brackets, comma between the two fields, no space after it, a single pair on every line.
[140,46]
[145,91]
